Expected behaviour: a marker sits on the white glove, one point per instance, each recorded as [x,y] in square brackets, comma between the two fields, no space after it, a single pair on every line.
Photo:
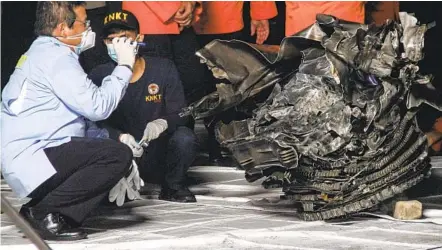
[129,140]
[129,187]
[134,180]
[125,49]
[154,129]
[118,192]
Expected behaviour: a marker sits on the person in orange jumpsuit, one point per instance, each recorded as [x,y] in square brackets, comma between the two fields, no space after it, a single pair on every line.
[435,137]
[167,31]
[224,20]
[379,12]
[300,15]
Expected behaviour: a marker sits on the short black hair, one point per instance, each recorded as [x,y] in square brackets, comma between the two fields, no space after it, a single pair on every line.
[115,29]
[50,13]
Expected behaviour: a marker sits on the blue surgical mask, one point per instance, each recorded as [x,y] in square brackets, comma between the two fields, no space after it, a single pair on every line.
[111,52]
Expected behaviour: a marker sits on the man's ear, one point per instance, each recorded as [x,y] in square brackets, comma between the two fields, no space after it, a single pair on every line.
[60,30]
[140,38]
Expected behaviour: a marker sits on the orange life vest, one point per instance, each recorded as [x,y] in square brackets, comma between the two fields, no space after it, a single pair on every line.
[300,15]
[155,17]
[222,17]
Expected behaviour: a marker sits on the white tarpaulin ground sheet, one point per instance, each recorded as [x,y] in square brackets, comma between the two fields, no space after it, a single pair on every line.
[230,214]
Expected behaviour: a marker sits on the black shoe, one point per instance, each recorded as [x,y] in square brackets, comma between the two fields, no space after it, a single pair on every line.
[53,226]
[182,195]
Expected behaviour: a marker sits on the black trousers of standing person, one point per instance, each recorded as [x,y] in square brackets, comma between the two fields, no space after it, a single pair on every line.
[213,146]
[87,168]
[167,159]
[181,49]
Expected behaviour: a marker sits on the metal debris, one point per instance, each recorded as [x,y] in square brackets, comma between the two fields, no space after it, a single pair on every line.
[331,113]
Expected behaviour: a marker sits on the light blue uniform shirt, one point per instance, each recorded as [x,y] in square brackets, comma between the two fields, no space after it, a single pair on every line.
[45,103]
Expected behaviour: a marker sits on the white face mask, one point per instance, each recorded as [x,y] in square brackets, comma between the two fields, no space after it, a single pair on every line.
[87,41]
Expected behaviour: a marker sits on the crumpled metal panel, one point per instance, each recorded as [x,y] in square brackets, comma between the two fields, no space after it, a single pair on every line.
[338,131]
[247,71]
[413,37]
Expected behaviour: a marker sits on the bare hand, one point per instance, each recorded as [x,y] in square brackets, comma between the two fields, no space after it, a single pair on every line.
[184,14]
[261,29]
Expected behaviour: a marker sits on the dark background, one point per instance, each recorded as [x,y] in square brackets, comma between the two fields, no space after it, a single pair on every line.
[17,34]
[18,19]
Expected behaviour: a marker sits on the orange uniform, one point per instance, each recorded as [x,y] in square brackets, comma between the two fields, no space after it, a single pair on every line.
[300,15]
[435,135]
[222,17]
[386,10]
[438,125]
[155,17]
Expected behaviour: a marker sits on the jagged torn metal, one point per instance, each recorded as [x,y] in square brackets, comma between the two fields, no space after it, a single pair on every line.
[331,112]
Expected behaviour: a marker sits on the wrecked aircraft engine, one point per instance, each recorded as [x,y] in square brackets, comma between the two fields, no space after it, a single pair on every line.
[336,129]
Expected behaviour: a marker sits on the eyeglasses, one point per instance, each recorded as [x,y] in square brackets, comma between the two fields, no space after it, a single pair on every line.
[86,23]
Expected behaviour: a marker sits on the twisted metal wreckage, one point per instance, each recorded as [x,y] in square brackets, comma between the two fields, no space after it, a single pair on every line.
[331,112]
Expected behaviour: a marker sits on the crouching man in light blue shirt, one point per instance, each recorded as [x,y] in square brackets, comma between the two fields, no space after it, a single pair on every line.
[46,153]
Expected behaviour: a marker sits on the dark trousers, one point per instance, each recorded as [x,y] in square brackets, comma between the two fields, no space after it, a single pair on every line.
[166,160]
[87,168]
[213,146]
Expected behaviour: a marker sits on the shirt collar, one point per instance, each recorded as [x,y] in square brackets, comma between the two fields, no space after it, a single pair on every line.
[50,39]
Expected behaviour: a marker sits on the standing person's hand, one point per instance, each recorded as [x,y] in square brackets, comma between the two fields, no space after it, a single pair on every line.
[184,15]
[261,29]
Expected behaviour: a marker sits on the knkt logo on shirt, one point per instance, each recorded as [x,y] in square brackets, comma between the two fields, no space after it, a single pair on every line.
[153,89]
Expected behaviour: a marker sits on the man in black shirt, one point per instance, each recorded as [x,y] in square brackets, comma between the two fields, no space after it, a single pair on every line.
[149,112]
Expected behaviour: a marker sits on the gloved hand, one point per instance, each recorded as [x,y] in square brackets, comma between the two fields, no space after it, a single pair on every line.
[118,192]
[134,180]
[125,49]
[154,129]
[129,140]
[127,186]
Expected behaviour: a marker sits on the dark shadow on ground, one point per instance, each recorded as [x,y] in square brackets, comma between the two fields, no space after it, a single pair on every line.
[109,216]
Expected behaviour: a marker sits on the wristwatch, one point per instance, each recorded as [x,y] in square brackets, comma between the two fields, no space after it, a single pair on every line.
[125,65]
